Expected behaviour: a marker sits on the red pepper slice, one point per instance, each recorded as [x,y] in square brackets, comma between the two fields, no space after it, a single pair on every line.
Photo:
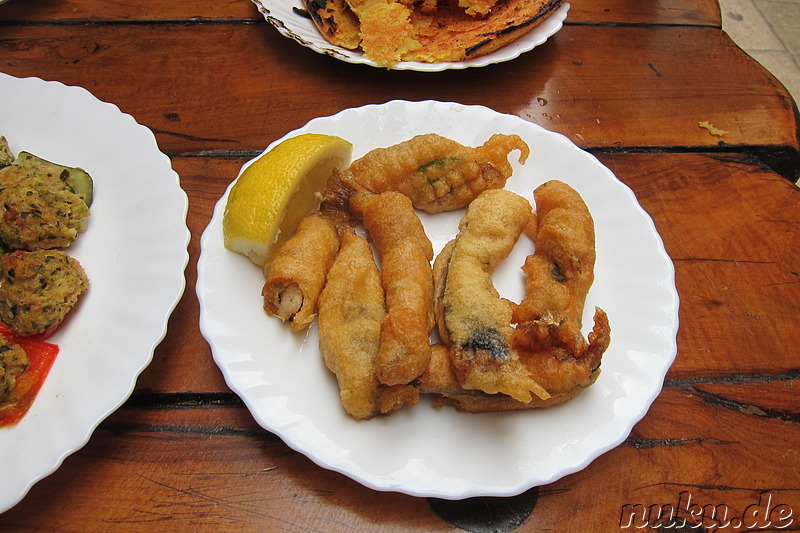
[41,356]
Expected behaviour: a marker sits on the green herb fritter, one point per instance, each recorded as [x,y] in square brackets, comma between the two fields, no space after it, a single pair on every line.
[38,289]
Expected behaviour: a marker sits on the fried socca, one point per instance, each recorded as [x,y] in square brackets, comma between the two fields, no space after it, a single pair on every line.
[335,21]
[452,35]
[429,31]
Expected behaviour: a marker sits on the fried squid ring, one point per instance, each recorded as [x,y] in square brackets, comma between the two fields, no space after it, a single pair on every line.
[351,309]
[296,272]
[474,320]
[405,253]
[436,173]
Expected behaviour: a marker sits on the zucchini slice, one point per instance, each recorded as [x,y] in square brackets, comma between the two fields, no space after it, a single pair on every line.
[77,179]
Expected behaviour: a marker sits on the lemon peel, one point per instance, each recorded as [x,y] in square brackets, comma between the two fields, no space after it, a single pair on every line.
[277,190]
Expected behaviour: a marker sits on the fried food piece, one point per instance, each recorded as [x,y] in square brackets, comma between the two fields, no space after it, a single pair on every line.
[564,380]
[335,21]
[295,274]
[440,266]
[13,362]
[437,173]
[335,204]
[351,308]
[558,274]
[452,33]
[477,322]
[548,340]
[39,210]
[477,8]
[6,157]
[38,289]
[407,280]
[564,373]
[385,30]
[427,7]
[429,31]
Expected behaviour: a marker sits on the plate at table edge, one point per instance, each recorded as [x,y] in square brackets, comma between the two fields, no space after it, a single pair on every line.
[134,252]
[424,451]
[291,24]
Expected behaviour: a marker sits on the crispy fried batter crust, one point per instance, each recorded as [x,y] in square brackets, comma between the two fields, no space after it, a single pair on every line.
[351,308]
[407,279]
[436,173]
[452,35]
[477,321]
[441,381]
[335,21]
[296,272]
[429,31]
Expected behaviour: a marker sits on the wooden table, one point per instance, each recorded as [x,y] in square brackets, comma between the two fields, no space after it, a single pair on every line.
[629,82]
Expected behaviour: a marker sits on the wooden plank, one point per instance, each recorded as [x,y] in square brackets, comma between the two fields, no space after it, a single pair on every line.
[183,360]
[682,454]
[144,10]
[171,80]
[688,12]
[735,248]
[207,469]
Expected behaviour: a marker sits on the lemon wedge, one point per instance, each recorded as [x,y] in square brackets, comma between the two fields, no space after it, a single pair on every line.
[279,189]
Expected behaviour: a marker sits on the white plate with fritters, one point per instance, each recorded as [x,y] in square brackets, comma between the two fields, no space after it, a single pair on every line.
[442,453]
[134,252]
[289,17]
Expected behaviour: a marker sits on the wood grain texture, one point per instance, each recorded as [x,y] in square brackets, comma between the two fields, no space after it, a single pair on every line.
[242,86]
[686,12]
[736,252]
[153,468]
[689,12]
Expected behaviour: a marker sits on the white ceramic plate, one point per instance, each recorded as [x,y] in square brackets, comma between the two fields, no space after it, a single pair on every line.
[284,16]
[442,453]
[134,252]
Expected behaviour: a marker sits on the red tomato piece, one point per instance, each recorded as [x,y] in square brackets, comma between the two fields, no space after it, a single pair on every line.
[41,356]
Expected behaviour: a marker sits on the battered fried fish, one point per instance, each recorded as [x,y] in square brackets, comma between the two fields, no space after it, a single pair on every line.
[558,274]
[351,308]
[295,274]
[547,341]
[563,380]
[436,173]
[474,320]
[405,253]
